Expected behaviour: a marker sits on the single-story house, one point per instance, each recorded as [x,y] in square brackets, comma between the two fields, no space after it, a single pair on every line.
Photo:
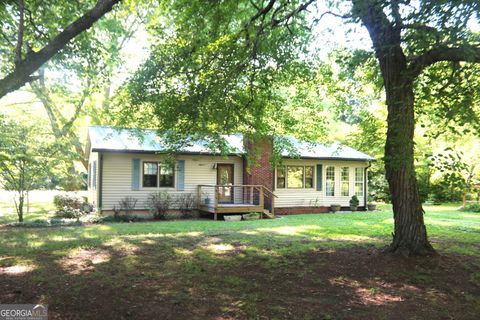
[132,162]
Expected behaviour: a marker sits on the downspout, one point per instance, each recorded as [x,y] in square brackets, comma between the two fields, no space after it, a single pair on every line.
[100,181]
[365,185]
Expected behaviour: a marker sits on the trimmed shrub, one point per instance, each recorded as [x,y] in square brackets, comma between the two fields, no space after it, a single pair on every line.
[70,206]
[158,204]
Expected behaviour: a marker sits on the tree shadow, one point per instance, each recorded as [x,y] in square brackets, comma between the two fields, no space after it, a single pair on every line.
[256,273]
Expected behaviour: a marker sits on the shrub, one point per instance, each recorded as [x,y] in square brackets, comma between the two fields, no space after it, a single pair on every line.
[70,206]
[186,204]
[472,207]
[69,213]
[354,202]
[158,204]
[64,200]
[127,204]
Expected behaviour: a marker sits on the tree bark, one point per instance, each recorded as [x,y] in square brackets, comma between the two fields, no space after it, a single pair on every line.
[34,60]
[410,235]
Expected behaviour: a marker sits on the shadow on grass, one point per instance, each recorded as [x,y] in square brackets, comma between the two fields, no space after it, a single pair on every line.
[270,271]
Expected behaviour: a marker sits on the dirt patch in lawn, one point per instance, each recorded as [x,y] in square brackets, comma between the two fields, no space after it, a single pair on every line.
[209,280]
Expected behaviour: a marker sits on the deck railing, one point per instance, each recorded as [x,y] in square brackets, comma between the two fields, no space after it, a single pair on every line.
[234,198]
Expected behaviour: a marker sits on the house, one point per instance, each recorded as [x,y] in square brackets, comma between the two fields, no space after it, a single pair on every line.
[131,162]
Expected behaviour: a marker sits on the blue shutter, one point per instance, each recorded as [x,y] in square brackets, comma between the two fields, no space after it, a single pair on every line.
[181,175]
[319,177]
[135,174]
[94,175]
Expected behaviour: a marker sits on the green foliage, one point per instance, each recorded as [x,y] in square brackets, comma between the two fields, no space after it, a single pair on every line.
[472,207]
[25,158]
[233,76]
[354,202]
[70,206]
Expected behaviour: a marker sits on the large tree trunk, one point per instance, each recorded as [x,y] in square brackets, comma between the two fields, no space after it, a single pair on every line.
[410,236]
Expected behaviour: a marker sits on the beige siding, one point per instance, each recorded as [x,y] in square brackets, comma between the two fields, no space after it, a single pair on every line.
[93,192]
[311,197]
[117,176]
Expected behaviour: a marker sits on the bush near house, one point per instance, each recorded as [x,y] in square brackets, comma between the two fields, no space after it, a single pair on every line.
[70,206]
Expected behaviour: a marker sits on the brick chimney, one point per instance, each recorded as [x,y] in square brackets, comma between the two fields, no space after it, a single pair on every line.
[257,168]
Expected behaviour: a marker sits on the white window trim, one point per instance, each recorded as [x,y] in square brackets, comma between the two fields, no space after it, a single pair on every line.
[334,180]
[342,181]
[355,181]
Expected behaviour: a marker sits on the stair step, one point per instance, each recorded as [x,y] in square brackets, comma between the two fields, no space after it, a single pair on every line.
[268,214]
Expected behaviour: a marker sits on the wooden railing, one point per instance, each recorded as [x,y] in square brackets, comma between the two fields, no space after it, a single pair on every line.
[234,198]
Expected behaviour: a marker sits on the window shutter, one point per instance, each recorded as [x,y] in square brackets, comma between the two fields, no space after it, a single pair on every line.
[135,174]
[181,175]
[94,175]
[319,177]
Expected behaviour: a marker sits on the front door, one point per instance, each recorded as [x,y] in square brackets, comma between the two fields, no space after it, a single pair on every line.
[225,178]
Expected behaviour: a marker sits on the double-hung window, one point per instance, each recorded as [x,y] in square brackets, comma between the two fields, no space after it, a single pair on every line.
[330,181]
[281,178]
[157,174]
[345,182]
[359,181]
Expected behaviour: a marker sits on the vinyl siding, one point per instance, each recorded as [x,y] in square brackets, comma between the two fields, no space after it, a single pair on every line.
[289,197]
[117,176]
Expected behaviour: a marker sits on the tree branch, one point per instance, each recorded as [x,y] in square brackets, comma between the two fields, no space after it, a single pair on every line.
[21,26]
[466,53]
[34,60]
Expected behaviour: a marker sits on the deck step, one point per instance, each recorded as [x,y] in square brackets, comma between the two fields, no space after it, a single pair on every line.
[268,214]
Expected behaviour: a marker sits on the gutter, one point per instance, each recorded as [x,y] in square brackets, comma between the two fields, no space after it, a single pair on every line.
[239,154]
[100,181]
[365,185]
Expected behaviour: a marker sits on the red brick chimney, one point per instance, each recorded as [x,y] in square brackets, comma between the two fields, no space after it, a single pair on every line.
[257,168]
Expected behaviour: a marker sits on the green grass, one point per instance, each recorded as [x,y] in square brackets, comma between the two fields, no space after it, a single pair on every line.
[166,259]
[450,230]
[37,211]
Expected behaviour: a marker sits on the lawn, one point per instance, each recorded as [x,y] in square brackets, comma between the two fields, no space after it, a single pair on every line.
[319,266]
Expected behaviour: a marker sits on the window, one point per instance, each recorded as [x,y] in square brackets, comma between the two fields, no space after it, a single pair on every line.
[345,182]
[359,181]
[330,181]
[280,177]
[150,174]
[309,177]
[157,174]
[295,176]
[166,175]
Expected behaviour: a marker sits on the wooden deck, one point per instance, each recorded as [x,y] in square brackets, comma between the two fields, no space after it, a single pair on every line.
[244,199]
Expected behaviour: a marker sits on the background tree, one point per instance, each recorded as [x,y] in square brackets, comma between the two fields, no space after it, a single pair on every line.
[30,37]
[25,158]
